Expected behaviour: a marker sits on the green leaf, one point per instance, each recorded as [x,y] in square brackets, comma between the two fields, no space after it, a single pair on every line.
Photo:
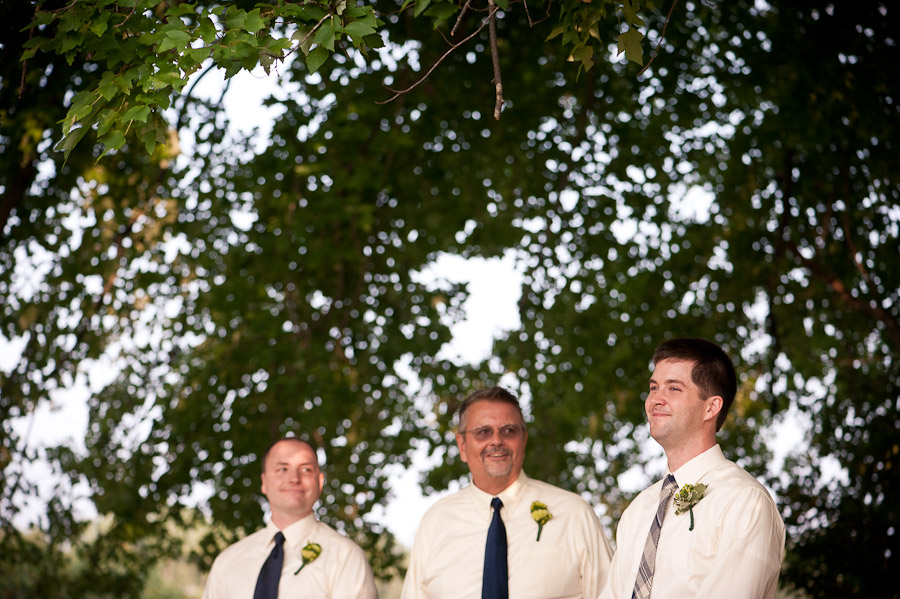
[317,58]
[206,29]
[108,88]
[153,135]
[373,41]
[70,140]
[440,12]
[236,19]
[82,105]
[99,26]
[302,35]
[106,119]
[325,36]
[630,43]
[559,29]
[137,113]
[181,10]
[41,17]
[631,16]
[179,36]
[358,30]
[114,140]
[253,23]
[420,7]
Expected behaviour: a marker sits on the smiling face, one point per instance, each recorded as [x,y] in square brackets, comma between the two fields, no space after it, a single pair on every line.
[681,420]
[291,481]
[494,462]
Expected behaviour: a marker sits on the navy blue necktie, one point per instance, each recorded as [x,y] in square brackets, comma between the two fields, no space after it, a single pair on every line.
[267,583]
[495,583]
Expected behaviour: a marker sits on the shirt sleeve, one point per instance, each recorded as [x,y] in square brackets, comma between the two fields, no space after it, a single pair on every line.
[412,584]
[595,562]
[615,584]
[749,552]
[353,578]
[212,588]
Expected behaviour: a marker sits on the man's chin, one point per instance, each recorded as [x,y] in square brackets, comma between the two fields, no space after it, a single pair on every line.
[501,471]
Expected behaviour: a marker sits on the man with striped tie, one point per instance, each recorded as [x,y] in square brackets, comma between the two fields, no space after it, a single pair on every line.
[708,529]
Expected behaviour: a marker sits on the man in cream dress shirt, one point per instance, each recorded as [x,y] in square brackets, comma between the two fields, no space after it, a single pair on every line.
[731,543]
[572,556]
[292,482]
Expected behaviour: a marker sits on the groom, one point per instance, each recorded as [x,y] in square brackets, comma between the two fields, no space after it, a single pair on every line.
[708,529]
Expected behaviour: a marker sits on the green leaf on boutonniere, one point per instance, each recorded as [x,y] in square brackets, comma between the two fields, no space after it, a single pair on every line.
[686,498]
[309,554]
[541,515]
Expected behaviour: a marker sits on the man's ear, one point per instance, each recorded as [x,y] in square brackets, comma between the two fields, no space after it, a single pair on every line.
[461,444]
[713,407]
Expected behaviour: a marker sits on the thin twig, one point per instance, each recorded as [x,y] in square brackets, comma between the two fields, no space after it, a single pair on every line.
[126,18]
[25,68]
[398,93]
[459,19]
[528,14]
[495,58]
[662,36]
[313,30]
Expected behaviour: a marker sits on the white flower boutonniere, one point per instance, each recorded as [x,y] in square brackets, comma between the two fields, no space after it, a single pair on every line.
[686,498]
[309,554]
[541,515]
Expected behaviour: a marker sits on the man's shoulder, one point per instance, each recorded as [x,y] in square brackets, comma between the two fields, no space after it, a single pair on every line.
[453,501]
[731,482]
[538,490]
[236,549]
[325,534]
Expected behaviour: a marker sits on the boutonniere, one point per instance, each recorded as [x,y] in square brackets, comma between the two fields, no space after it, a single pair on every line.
[541,515]
[686,498]
[309,554]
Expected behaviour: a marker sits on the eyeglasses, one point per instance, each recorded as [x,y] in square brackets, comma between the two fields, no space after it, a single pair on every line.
[481,434]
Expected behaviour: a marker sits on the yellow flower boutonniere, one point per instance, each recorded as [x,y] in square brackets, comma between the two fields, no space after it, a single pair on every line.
[541,515]
[686,498]
[309,554]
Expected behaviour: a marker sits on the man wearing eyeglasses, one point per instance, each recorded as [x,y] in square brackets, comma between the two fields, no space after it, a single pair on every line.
[505,535]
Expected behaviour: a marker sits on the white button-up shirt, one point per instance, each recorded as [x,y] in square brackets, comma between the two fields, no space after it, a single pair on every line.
[340,572]
[734,551]
[570,561]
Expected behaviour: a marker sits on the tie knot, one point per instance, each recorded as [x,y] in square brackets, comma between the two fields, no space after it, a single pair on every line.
[669,485]
[496,503]
[279,539]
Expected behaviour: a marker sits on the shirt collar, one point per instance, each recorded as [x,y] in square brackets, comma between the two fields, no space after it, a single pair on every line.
[294,534]
[697,467]
[510,496]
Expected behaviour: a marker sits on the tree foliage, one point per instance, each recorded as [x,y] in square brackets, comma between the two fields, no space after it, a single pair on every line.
[246,291]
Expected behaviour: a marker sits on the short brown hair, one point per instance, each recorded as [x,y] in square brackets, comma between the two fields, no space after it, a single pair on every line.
[265,454]
[713,371]
[491,394]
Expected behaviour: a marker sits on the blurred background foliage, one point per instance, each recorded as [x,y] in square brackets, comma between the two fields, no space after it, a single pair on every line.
[238,289]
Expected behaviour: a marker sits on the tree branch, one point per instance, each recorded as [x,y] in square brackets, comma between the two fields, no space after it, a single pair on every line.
[459,19]
[495,58]
[662,36]
[398,93]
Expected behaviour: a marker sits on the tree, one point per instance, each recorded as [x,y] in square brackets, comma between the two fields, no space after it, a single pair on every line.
[289,269]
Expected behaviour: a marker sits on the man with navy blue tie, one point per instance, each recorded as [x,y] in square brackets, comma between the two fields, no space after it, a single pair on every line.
[295,556]
[505,535]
